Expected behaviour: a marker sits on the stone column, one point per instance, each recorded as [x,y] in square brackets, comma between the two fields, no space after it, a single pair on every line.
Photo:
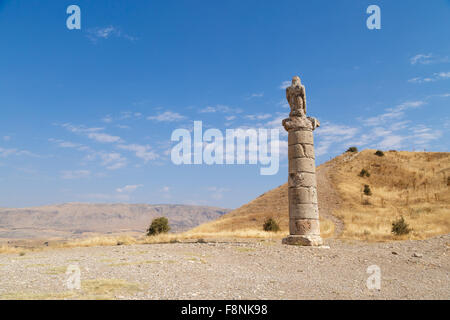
[304,225]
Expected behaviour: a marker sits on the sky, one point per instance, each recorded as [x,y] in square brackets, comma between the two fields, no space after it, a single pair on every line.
[87,115]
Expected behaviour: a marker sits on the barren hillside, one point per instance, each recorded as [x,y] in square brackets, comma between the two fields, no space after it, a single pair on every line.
[414,185]
[77,219]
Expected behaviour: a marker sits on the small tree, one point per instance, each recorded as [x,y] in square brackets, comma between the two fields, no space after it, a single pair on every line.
[367,190]
[400,227]
[364,173]
[379,153]
[352,149]
[158,225]
[271,225]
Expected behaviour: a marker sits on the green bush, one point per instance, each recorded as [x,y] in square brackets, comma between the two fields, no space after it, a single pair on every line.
[400,227]
[364,173]
[367,190]
[379,153]
[159,225]
[352,149]
[271,225]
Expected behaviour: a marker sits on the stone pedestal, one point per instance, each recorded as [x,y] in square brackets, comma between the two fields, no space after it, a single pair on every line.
[304,227]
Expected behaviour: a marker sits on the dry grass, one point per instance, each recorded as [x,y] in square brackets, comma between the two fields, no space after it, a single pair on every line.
[414,185]
[95,289]
[248,220]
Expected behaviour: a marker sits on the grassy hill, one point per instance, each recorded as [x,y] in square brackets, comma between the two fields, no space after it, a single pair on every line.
[414,185]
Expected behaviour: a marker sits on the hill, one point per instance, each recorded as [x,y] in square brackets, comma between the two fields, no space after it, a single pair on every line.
[78,219]
[414,185]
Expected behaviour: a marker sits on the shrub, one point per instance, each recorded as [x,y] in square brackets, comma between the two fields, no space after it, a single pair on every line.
[400,227]
[271,225]
[159,225]
[364,173]
[367,190]
[352,149]
[379,153]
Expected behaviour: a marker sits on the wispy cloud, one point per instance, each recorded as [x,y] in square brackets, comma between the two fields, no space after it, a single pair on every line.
[103,137]
[6,152]
[217,193]
[258,116]
[393,113]
[285,84]
[435,77]
[103,33]
[141,151]
[428,58]
[77,174]
[220,108]
[167,116]
[255,95]
[67,144]
[112,160]
[332,134]
[93,133]
[129,188]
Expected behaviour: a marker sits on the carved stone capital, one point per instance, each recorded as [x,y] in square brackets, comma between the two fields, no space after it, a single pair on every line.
[299,123]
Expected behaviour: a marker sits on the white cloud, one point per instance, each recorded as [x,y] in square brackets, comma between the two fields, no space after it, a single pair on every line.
[393,113]
[428,58]
[285,84]
[98,33]
[167,116]
[113,160]
[421,58]
[68,144]
[6,138]
[77,174]
[219,108]
[435,77]
[141,151]
[217,193]
[107,119]
[255,95]
[103,137]
[129,188]
[15,152]
[329,135]
[258,116]
[165,189]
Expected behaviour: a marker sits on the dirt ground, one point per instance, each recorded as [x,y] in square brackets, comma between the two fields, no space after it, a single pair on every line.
[232,270]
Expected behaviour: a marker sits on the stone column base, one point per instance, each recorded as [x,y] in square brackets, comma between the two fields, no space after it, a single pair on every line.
[307,240]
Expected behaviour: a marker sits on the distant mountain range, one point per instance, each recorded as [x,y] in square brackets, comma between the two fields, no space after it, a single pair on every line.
[80,219]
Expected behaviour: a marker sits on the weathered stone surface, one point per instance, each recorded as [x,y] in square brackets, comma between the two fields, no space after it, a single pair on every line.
[303,211]
[303,240]
[304,226]
[302,165]
[308,150]
[302,179]
[303,195]
[296,151]
[301,136]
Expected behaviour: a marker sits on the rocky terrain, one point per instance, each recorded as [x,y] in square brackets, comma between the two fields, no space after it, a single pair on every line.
[79,219]
[233,270]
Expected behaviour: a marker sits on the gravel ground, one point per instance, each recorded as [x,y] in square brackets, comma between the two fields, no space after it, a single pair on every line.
[233,270]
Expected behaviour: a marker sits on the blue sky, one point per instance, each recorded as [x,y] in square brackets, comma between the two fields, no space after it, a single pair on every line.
[87,115]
